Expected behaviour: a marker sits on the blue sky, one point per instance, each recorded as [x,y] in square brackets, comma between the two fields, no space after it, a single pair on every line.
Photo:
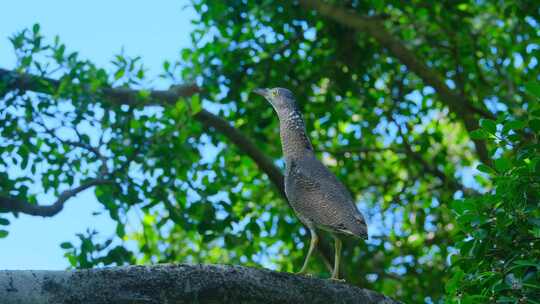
[154,30]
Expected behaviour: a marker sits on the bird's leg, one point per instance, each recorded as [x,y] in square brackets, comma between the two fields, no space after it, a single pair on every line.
[312,245]
[335,273]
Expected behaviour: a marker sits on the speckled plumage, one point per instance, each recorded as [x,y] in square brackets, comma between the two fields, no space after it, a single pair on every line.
[318,198]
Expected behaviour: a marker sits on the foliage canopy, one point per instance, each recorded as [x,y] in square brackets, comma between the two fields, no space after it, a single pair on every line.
[392,93]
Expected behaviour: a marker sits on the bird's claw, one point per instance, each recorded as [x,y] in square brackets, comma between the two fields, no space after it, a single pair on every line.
[309,275]
[337,280]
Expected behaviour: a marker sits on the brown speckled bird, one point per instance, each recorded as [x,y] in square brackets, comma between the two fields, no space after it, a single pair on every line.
[318,198]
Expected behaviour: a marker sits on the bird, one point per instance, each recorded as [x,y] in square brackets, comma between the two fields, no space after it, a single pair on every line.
[318,198]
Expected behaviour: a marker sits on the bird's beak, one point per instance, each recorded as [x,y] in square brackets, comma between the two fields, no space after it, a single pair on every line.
[262,92]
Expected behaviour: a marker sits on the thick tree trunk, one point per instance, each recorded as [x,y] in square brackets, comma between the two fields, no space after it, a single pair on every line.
[176,284]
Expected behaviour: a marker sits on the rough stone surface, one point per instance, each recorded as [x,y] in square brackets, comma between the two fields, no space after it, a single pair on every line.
[176,284]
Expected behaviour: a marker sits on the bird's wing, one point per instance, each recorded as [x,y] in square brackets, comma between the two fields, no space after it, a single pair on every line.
[316,193]
[316,170]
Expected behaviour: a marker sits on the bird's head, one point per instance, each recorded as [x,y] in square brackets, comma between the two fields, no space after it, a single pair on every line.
[280,98]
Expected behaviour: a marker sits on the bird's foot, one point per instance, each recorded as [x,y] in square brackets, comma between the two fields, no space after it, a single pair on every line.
[304,273]
[338,280]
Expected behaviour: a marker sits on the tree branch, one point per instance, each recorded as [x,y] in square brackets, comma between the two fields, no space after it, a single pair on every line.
[12,204]
[176,284]
[247,146]
[27,82]
[455,101]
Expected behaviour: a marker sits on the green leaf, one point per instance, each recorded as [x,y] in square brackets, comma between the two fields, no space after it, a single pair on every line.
[26,61]
[527,263]
[479,134]
[462,7]
[140,74]
[66,245]
[35,28]
[514,125]
[17,40]
[489,125]
[119,73]
[461,205]
[4,221]
[535,125]
[3,233]
[180,106]
[72,260]
[59,53]
[195,104]
[185,54]
[502,164]
[533,88]
[486,169]
[454,283]
[507,300]
[120,230]
[135,124]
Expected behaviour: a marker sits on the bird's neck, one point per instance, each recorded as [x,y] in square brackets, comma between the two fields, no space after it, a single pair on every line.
[292,131]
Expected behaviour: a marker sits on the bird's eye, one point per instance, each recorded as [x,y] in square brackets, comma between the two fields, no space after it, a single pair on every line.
[274,93]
